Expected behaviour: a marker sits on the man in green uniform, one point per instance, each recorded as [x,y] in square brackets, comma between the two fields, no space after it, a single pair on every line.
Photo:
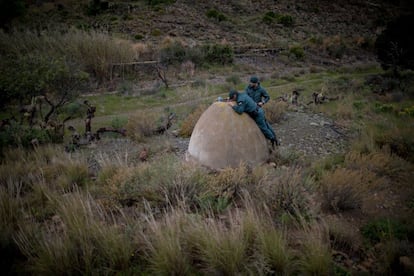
[241,102]
[257,92]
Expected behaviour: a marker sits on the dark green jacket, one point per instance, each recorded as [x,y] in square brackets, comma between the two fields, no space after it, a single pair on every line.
[258,94]
[244,104]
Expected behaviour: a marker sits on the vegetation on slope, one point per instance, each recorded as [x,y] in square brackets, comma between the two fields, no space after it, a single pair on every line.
[96,211]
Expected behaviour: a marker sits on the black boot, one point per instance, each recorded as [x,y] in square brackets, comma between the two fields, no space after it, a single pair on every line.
[273,141]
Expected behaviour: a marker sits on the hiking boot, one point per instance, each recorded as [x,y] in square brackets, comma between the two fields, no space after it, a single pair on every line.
[275,142]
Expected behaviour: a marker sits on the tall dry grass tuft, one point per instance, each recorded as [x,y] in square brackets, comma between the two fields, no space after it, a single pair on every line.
[10,210]
[344,189]
[274,111]
[96,52]
[231,182]
[380,163]
[219,249]
[286,190]
[344,236]
[165,244]
[315,254]
[162,183]
[80,238]
[141,125]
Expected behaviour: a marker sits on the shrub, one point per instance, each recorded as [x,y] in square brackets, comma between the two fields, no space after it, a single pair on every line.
[160,2]
[269,17]
[141,125]
[272,245]
[383,229]
[343,189]
[80,239]
[213,13]
[297,52]
[230,182]
[344,237]
[220,250]
[283,191]
[285,20]
[315,255]
[274,111]
[218,54]
[165,245]
[138,36]
[173,53]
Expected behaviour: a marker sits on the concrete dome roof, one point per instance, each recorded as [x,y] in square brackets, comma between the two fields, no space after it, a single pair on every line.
[222,138]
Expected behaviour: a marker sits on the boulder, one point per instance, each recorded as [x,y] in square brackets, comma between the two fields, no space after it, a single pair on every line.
[223,138]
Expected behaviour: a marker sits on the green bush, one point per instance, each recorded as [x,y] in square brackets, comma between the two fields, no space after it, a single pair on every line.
[175,53]
[383,108]
[216,15]
[269,18]
[218,54]
[383,229]
[285,20]
[297,52]
[138,36]
[21,135]
[160,2]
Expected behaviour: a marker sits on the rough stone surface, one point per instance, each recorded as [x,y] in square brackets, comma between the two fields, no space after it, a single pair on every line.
[222,138]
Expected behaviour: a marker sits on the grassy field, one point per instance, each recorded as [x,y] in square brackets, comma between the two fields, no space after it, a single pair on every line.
[98,209]
[344,214]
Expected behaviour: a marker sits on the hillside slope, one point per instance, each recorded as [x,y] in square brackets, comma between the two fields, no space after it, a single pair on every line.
[330,29]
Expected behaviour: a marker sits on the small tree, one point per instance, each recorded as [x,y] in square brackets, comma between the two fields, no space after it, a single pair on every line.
[395,45]
[41,87]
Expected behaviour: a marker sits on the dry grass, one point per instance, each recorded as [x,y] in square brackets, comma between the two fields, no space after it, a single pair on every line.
[345,189]
[188,124]
[165,244]
[315,254]
[344,236]
[80,238]
[141,125]
[381,163]
[95,51]
[285,190]
[274,111]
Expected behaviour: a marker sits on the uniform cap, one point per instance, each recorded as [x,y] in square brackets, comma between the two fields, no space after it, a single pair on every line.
[254,79]
[232,93]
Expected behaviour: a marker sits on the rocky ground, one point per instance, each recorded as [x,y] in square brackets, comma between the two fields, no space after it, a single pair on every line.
[310,134]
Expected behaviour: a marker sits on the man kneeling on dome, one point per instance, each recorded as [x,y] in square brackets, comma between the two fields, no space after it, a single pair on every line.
[241,102]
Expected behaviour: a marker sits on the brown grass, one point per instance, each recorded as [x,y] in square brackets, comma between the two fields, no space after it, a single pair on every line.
[344,189]
[141,125]
[274,110]
[188,124]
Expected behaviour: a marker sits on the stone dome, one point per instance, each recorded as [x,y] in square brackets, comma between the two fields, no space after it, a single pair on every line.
[223,138]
